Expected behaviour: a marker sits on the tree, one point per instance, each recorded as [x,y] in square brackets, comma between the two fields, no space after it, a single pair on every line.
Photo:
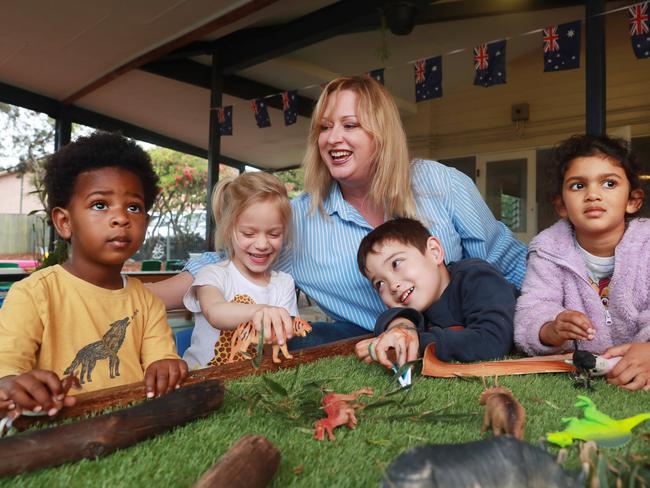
[293,180]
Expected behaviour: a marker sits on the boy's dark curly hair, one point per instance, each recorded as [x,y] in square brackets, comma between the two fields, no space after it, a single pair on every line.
[577,146]
[99,150]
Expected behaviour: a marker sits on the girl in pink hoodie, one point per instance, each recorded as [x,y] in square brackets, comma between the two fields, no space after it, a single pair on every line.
[588,276]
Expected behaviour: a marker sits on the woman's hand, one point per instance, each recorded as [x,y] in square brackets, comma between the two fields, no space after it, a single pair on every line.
[163,376]
[568,325]
[633,370]
[276,323]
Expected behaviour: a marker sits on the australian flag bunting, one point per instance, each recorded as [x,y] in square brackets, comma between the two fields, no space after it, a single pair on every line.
[639,32]
[261,112]
[224,120]
[490,63]
[377,75]
[289,106]
[562,46]
[428,78]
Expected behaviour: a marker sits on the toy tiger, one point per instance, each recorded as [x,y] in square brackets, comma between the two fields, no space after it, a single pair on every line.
[246,335]
[241,343]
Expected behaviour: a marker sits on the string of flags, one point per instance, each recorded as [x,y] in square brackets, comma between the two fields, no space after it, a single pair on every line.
[560,44]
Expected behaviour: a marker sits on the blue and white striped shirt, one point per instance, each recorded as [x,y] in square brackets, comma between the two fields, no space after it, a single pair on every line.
[322,255]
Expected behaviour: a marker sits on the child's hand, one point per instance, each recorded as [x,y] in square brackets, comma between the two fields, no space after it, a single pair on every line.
[403,338]
[633,370]
[568,325]
[276,322]
[163,376]
[362,351]
[37,390]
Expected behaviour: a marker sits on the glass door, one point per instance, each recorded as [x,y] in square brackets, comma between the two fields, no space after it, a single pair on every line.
[507,183]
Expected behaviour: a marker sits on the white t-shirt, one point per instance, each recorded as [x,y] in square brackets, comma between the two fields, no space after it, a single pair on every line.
[280,292]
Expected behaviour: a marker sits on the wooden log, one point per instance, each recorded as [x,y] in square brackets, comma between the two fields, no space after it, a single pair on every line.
[102,435]
[253,455]
[97,401]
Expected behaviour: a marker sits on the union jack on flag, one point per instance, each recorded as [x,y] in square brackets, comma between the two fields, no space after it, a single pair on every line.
[639,31]
[419,70]
[480,57]
[550,39]
[639,19]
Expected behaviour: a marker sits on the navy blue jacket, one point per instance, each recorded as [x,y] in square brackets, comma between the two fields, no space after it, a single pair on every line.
[478,298]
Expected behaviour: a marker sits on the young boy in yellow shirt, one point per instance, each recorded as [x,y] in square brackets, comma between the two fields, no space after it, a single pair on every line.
[83,317]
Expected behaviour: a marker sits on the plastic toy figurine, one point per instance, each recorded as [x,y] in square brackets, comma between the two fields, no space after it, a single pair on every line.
[339,412]
[589,365]
[502,412]
[596,426]
[245,335]
[498,462]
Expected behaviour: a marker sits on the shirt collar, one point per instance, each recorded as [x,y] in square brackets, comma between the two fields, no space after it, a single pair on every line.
[335,203]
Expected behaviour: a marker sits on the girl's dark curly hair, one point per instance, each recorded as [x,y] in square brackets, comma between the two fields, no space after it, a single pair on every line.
[617,150]
[99,150]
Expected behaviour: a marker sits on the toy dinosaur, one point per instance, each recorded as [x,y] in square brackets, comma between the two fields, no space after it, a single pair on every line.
[595,426]
[245,335]
[339,412]
[502,412]
[498,462]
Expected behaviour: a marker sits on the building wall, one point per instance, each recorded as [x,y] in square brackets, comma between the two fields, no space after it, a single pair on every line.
[475,120]
[13,188]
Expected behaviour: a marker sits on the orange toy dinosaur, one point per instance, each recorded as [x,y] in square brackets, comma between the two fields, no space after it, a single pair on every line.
[339,412]
[245,335]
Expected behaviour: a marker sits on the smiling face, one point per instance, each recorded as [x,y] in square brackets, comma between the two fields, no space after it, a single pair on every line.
[257,240]
[105,222]
[405,277]
[346,148]
[596,195]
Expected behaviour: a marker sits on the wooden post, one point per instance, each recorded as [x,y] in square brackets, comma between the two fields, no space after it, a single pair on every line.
[102,435]
[250,463]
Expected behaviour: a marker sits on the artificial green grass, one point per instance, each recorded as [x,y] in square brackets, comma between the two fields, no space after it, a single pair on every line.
[357,457]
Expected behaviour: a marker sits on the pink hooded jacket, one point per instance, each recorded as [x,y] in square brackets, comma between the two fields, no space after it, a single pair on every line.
[556,280]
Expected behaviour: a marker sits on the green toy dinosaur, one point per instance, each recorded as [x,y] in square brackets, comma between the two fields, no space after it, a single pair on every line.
[596,426]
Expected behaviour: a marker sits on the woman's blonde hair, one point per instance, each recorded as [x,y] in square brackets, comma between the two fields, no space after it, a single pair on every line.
[232,196]
[377,113]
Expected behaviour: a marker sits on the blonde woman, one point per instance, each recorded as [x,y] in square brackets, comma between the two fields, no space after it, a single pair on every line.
[357,176]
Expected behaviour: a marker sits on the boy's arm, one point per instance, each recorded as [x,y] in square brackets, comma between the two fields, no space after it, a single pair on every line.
[487,304]
[21,331]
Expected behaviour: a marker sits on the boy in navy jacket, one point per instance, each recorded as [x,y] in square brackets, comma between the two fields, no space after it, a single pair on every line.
[465,308]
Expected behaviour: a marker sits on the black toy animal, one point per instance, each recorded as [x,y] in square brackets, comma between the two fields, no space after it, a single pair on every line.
[498,462]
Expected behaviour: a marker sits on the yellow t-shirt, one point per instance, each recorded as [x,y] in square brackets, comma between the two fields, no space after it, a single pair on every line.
[55,321]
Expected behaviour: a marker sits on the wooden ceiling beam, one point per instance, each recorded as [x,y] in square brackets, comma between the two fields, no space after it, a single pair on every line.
[198,74]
